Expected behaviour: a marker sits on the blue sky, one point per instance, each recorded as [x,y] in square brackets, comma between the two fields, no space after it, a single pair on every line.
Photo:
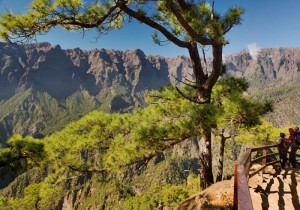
[266,24]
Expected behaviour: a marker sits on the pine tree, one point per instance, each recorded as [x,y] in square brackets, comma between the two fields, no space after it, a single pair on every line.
[186,23]
[236,111]
[18,148]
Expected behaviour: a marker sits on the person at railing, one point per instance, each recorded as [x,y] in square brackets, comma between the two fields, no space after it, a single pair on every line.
[297,135]
[282,149]
[293,145]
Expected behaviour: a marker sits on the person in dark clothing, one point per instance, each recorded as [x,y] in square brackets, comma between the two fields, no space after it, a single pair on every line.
[297,136]
[282,148]
[292,143]
[297,143]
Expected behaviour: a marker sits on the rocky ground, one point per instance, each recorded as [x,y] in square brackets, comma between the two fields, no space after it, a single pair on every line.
[276,189]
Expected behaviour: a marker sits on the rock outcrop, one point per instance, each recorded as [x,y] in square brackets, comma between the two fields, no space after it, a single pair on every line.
[217,196]
[272,67]
[44,81]
[63,72]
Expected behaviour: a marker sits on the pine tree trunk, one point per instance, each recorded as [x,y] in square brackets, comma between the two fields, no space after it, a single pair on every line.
[205,157]
[221,160]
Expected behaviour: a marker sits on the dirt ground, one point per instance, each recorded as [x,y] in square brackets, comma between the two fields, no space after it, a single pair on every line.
[276,189]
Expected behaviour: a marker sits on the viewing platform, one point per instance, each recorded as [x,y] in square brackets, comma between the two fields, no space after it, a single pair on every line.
[276,190]
[261,183]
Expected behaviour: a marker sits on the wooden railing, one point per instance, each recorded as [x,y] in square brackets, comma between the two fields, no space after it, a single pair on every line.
[242,197]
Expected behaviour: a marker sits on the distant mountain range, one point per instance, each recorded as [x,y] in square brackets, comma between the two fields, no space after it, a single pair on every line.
[43,87]
[272,66]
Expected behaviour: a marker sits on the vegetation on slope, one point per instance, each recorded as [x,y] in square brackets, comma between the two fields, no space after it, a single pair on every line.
[285,102]
[39,114]
[101,149]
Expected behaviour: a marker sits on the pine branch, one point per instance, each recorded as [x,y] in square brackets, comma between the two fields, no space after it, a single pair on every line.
[87,170]
[148,21]
[189,98]
[190,81]
[193,86]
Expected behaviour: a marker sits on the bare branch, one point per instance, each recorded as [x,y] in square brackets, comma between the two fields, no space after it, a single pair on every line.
[189,98]
[87,170]
[196,63]
[148,21]
[71,20]
[190,81]
[193,86]
[181,19]
[204,58]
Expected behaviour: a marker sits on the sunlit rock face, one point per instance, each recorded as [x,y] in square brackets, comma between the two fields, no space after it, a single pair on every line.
[48,82]
[272,66]
[63,72]
[40,83]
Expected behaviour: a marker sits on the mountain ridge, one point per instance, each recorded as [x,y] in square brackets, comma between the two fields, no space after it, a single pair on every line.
[95,69]
[113,80]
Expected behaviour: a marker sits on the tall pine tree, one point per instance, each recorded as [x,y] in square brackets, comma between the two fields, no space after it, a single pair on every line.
[186,23]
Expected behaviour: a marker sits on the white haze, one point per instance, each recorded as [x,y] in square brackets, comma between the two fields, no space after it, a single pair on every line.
[253,50]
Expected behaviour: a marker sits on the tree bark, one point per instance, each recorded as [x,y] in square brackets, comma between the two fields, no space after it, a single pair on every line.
[205,157]
[204,83]
[221,160]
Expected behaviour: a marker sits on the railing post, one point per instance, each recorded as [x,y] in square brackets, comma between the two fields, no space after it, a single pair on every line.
[242,197]
[235,190]
[248,163]
[264,162]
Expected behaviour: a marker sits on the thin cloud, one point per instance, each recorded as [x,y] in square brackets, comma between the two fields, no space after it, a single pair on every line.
[253,50]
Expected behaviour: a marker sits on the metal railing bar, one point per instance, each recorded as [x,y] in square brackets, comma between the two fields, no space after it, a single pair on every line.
[265,156]
[242,197]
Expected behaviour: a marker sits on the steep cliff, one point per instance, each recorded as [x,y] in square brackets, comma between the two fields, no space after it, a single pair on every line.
[272,66]
[274,75]
[47,82]
[55,86]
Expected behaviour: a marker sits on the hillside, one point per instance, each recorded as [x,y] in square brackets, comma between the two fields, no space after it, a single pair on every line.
[43,81]
[70,175]
[274,75]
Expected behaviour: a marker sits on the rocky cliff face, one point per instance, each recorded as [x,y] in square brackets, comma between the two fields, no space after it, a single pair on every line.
[274,75]
[60,82]
[63,72]
[271,66]
[45,81]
